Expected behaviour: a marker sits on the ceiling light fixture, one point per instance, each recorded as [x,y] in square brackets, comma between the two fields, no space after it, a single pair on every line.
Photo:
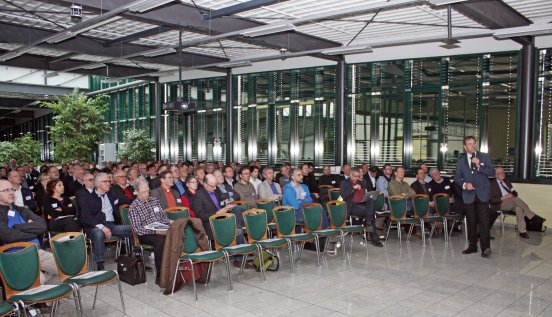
[52,74]
[268,29]
[147,5]
[235,64]
[160,51]
[346,50]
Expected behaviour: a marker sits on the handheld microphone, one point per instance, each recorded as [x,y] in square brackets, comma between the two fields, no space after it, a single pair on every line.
[472,164]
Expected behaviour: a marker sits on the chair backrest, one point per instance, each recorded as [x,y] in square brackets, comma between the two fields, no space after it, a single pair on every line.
[69,249]
[379,204]
[285,220]
[124,210]
[334,193]
[178,212]
[397,207]
[312,214]
[267,205]
[442,204]
[19,267]
[190,244]
[338,213]
[256,223]
[421,205]
[224,230]
[324,189]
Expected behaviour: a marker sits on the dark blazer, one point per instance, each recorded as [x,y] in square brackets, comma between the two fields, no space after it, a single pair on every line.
[74,187]
[418,188]
[369,185]
[51,206]
[496,193]
[478,178]
[332,180]
[347,191]
[204,208]
[28,200]
[158,193]
[21,232]
[118,192]
[153,183]
[90,205]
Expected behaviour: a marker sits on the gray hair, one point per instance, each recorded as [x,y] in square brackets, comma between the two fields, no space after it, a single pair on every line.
[97,178]
[266,169]
[355,170]
[433,169]
[140,183]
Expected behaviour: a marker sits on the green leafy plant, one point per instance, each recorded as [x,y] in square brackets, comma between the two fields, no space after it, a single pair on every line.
[22,149]
[136,146]
[78,125]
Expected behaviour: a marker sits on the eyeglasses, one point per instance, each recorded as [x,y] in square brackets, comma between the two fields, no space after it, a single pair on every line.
[105,181]
[8,190]
[192,182]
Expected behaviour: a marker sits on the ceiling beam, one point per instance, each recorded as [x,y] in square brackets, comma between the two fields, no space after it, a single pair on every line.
[139,35]
[494,14]
[237,8]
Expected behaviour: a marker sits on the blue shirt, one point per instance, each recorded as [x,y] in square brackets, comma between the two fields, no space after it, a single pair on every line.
[16,219]
[180,186]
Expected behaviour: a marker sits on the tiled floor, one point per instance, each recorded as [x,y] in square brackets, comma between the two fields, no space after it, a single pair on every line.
[397,280]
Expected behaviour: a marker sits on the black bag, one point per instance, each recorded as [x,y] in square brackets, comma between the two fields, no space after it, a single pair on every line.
[535,224]
[311,246]
[131,269]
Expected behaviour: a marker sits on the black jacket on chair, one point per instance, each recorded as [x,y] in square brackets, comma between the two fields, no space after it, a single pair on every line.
[90,205]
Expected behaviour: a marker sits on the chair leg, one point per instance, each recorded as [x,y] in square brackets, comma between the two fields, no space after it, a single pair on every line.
[261,263]
[175,273]
[228,271]
[317,245]
[387,235]
[95,296]
[193,278]
[209,269]
[242,265]
[344,247]
[451,228]
[445,225]
[54,308]
[290,249]
[422,223]
[121,295]
[76,296]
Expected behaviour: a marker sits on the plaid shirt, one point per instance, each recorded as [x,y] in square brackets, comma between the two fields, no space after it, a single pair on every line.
[143,213]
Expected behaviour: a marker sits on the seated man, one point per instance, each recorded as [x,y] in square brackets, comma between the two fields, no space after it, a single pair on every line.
[398,187]
[382,183]
[226,192]
[270,189]
[245,189]
[328,178]
[100,216]
[23,195]
[353,191]
[440,185]
[144,211]
[505,198]
[166,194]
[19,224]
[121,189]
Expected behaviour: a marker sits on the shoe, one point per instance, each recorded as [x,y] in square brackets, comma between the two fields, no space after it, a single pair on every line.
[377,243]
[486,253]
[148,269]
[469,251]
[524,235]
[491,237]
[99,266]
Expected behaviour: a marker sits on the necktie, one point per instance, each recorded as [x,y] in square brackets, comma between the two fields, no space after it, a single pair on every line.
[505,187]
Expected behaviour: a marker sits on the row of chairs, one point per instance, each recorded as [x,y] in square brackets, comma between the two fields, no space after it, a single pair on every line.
[20,273]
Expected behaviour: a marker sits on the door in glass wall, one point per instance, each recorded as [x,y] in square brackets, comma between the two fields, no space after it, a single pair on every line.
[282,129]
[362,106]
[391,131]
[425,128]
[305,132]
[326,141]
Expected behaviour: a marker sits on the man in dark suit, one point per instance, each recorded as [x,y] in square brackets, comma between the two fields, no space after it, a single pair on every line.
[371,178]
[419,185]
[473,170]
[353,191]
[78,183]
[166,194]
[121,189]
[228,174]
[328,178]
[23,195]
[100,216]
[505,198]
[206,203]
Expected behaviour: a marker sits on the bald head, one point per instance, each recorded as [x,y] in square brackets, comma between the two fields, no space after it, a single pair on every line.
[211,182]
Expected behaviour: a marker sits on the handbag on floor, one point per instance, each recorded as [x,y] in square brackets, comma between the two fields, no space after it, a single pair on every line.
[131,269]
[536,224]
[271,261]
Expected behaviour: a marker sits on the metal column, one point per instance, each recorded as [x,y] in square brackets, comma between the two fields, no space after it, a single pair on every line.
[340,145]
[524,157]
[157,99]
[229,117]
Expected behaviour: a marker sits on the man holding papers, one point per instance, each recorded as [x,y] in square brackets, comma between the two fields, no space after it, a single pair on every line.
[144,211]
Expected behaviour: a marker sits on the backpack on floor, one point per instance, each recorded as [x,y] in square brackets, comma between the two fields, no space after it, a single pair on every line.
[535,224]
[271,261]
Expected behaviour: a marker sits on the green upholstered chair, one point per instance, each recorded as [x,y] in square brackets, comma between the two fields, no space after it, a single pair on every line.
[9,308]
[223,226]
[442,208]
[397,208]
[334,193]
[69,250]
[285,226]
[20,273]
[324,190]
[192,253]
[421,212]
[179,212]
[268,206]
[312,215]
[125,219]
[256,224]
[337,212]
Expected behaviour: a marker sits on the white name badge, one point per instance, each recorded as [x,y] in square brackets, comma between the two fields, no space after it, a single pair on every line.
[54,205]
[31,187]
[135,193]
[116,202]
[156,209]
[482,164]
[333,182]
[447,187]
[429,190]
[11,213]
[178,200]
[28,198]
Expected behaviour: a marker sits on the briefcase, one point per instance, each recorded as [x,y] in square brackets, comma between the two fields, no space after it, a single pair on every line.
[131,269]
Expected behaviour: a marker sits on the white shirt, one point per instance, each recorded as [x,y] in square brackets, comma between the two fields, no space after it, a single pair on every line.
[256,182]
[19,197]
[502,187]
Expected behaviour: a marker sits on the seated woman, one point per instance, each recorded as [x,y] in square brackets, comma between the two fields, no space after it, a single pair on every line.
[59,212]
[143,211]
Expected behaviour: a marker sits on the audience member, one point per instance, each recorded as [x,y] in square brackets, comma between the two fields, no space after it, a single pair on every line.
[245,189]
[23,195]
[296,194]
[382,184]
[371,178]
[166,194]
[269,189]
[58,208]
[226,192]
[121,189]
[255,180]
[328,178]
